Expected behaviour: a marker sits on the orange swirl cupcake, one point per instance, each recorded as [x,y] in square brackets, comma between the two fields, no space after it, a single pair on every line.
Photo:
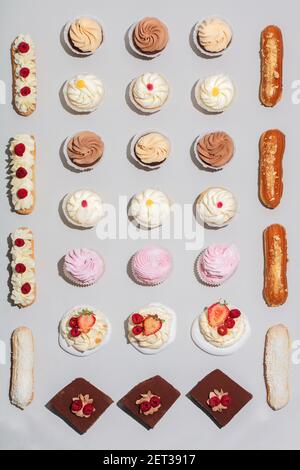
[214,150]
[149,37]
[84,150]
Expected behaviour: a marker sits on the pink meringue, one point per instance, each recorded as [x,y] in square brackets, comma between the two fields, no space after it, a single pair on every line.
[217,264]
[151,265]
[83,266]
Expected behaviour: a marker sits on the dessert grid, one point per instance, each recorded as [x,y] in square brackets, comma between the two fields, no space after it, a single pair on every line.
[118,367]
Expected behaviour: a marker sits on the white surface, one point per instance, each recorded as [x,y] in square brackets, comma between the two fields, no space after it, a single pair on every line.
[118,367]
[201,342]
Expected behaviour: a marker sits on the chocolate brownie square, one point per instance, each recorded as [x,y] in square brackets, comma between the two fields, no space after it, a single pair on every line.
[62,402]
[149,401]
[218,389]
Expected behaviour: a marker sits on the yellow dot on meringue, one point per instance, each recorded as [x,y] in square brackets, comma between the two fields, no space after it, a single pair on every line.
[215,91]
[80,84]
[149,202]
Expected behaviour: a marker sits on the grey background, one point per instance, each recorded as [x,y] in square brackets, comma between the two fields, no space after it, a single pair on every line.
[118,367]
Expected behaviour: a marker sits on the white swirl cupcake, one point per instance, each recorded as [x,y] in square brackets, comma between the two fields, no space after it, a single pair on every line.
[83,93]
[212,36]
[83,208]
[83,330]
[83,35]
[150,208]
[215,93]
[149,92]
[216,207]
[150,149]
[151,329]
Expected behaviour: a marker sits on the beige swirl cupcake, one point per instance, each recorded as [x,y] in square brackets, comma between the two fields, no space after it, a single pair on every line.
[83,150]
[150,149]
[149,37]
[83,35]
[212,36]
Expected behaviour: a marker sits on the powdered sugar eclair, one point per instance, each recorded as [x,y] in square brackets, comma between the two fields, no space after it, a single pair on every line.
[23,279]
[277,366]
[22,373]
[24,75]
[22,172]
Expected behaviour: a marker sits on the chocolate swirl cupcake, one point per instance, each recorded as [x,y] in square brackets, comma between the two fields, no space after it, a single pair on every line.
[215,149]
[85,149]
[150,36]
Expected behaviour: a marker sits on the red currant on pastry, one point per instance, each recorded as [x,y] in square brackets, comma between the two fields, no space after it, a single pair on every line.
[21,172]
[24,72]
[137,318]
[229,323]
[214,402]
[26,288]
[22,193]
[226,400]
[19,150]
[76,406]
[75,332]
[88,409]
[137,330]
[155,401]
[73,323]
[235,313]
[222,330]
[25,91]
[20,268]
[23,47]
[19,242]
[145,406]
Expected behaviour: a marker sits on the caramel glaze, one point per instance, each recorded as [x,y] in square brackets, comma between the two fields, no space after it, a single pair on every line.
[271,147]
[275,252]
[271,66]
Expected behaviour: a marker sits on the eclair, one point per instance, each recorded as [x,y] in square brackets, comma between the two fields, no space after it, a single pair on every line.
[24,75]
[276,258]
[23,280]
[22,371]
[271,66]
[22,173]
[276,366]
[271,147]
